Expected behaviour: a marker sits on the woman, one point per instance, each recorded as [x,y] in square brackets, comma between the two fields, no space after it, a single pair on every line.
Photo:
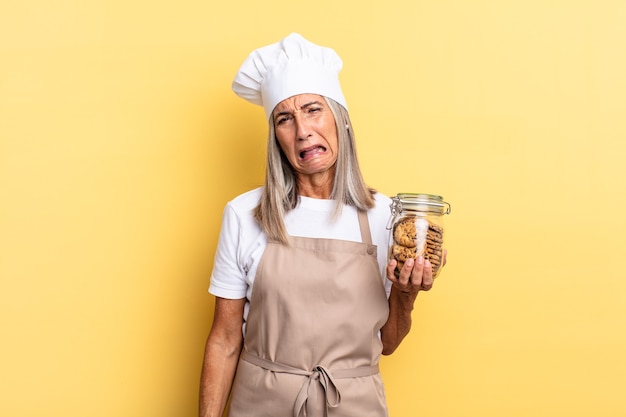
[302,310]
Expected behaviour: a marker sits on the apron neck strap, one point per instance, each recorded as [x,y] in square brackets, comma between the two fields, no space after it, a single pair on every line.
[366,236]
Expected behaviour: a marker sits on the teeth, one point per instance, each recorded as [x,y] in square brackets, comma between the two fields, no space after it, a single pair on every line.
[303,153]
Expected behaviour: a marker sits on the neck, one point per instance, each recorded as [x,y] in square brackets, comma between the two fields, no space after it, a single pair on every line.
[317,186]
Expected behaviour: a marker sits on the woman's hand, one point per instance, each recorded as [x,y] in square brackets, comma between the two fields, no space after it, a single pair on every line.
[415,276]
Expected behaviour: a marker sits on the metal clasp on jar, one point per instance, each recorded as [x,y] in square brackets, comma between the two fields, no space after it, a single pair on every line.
[396,208]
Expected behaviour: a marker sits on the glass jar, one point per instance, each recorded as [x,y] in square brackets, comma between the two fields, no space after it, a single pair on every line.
[416,229]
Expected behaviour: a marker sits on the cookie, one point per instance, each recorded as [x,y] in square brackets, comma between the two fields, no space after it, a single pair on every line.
[402,253]
[405,233]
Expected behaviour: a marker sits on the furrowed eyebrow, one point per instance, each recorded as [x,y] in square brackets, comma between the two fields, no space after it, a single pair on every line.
[312,103]
[304,106]
[282,113]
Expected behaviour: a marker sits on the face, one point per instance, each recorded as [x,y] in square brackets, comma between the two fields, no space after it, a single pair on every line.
[307,134]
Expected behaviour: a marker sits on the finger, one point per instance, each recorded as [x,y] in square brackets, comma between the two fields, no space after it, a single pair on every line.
[418,270]
[405,272]
[391,268]
[445,256]
[427,276]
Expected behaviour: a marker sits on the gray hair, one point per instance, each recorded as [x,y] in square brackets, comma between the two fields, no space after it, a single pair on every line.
[280,193]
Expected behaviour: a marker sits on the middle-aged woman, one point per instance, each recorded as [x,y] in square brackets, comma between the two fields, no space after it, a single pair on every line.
[306,300]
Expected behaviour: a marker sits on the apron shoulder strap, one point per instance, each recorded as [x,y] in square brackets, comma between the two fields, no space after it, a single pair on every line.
[366,235]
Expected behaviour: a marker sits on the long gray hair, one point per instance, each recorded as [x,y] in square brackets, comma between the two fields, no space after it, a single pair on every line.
[280,193]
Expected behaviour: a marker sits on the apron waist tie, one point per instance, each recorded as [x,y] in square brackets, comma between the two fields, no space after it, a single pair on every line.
[307,401]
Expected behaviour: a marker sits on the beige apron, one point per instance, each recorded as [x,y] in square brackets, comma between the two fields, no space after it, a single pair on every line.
[312,345]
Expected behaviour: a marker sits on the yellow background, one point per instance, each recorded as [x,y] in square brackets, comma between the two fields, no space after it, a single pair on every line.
[121,141]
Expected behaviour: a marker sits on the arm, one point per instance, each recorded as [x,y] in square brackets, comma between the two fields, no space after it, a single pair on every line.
[414,277]
[221,355]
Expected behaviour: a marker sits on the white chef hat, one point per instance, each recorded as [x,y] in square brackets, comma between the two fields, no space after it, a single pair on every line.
[289,67]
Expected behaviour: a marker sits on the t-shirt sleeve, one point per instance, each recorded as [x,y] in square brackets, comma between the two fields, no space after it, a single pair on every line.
[228,279]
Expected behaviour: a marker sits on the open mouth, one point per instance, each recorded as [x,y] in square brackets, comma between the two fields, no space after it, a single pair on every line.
[312,151]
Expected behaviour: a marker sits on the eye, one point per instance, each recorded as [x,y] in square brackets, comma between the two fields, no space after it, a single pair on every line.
[282,119]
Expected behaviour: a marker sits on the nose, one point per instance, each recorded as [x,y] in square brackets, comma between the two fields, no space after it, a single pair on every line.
[303,130]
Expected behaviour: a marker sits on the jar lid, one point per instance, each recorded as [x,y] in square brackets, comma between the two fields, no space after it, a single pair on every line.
[431,203]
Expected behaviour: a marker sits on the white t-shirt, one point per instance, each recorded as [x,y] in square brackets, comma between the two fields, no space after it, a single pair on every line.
[242,242]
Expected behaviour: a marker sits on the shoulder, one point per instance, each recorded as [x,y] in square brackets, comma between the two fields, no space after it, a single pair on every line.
[382,200]
[238,214]
[246,202]
[381,207]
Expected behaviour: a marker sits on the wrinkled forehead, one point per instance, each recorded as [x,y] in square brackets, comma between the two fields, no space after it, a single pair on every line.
[298,102]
